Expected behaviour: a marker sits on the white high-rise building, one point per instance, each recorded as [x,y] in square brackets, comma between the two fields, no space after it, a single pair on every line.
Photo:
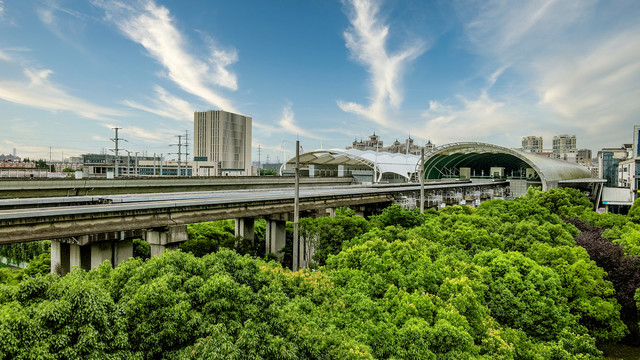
[221,143]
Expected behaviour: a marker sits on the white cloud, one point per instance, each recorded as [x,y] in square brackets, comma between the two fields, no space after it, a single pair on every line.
[46,16]
[166,105]
[4,57]
[599,88]
[64,23]
[366,41]
[153,27]
[288,123]
[40,92]
[514,30]
[480,119]
[155,135]
[1,8]
[573,66]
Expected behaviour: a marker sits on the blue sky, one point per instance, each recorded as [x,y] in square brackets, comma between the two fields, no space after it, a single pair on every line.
[326,72]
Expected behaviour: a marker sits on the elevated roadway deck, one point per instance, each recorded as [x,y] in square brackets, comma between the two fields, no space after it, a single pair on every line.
[145,211]
[38,188]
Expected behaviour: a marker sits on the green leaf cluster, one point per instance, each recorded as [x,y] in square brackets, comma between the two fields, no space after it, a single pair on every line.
[503,281]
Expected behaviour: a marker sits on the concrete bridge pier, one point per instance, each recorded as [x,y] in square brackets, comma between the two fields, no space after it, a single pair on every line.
[245,228]
[165,238]
[89,251]
[275,237]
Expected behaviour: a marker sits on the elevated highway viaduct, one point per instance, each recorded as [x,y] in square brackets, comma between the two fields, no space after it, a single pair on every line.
[85,235]
[38,188]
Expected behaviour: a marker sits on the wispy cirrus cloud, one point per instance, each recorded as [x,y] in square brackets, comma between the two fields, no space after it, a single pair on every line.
[4,56]
[468,120]
[152,26]
[165,105]
[155,135]
[67,24]
[286,124]
[599,88]
[39,91]
[563,66]
[366,40]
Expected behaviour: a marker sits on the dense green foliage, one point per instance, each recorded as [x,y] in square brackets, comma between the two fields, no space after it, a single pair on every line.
[209,237]
[328,234]
[506,280]
[24,252]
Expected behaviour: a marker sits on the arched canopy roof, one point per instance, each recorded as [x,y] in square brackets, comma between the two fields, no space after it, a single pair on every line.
[483,156]
[382,162]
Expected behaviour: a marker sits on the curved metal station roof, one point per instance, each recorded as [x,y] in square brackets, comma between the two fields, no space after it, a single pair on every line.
[382,162]
[482,155]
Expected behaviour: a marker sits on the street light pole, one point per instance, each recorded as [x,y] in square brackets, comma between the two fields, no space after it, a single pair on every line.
[421,172]
[296,213]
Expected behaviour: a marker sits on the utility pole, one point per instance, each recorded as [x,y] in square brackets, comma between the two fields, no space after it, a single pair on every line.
[179,153]
[296,213]
[116,140]
[135,171]
[421,172]
[128,162]
[186,153]
[259,152]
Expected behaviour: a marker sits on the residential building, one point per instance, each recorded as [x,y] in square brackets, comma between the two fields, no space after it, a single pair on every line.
[222,143]
[532,144]
[584,156]
[564,147]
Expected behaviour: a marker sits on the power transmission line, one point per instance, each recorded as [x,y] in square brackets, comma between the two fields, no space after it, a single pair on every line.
[179,153]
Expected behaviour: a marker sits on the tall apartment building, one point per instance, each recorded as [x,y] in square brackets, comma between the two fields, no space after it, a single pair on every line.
[221,143]
[564,146]
[532,144]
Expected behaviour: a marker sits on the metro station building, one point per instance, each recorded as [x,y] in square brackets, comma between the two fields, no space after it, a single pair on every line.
[470,161]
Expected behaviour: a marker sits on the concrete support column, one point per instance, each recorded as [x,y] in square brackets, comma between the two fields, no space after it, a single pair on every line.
[101,251]
[122,250]
[162,239]
[275,237]
[59,257]
[331,212]
[245,228]
[80,256]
